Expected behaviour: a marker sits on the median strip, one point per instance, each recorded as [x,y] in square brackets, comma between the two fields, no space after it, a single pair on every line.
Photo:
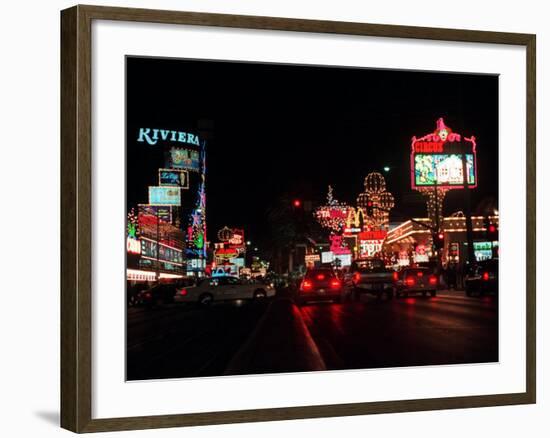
[280,343]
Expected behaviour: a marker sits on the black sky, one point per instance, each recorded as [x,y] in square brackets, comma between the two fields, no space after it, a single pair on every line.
[287,129]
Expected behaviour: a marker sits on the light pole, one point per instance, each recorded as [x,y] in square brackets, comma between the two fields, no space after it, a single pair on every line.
[467,209]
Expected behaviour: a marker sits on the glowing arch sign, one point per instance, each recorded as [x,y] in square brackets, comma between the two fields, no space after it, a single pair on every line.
[436,159]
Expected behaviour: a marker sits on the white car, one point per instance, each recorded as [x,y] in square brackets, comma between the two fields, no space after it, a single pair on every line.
[223,288]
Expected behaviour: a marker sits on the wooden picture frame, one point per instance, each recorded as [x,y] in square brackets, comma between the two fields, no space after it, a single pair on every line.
[76,218]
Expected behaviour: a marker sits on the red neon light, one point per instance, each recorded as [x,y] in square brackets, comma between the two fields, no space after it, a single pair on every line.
[428,146]
[373,235]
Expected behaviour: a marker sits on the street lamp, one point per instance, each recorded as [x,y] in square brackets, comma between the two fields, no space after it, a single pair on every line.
[386,169]
[248,243]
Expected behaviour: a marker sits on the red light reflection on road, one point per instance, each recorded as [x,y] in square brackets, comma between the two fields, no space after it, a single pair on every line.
[317,311]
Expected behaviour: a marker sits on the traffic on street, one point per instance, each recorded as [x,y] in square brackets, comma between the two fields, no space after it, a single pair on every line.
[281,334]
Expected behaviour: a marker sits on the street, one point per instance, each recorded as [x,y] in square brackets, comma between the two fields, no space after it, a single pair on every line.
[277,336]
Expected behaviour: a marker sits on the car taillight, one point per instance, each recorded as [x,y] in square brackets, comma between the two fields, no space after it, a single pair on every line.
[356,277]
[321,277]
[183,292]
[335,284]
[433,279]
[306,285]
[485,276]
[395,276]
[410,281]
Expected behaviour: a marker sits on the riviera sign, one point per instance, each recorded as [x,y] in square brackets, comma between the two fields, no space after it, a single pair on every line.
[152,136]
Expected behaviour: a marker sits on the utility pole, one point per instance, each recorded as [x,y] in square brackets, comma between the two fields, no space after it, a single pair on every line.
[437,222]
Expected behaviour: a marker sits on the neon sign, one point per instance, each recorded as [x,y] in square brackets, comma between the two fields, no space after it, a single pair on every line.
[148,214]
[152,136]
[369,248]
[334,214]
[133,246]
[337,245]
[373,235]
[237,239]
[226,253]
[436,159]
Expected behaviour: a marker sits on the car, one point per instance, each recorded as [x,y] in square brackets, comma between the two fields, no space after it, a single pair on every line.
[415,281]
[320,284]
[226,288]
[370,276]
[132,292]
[482,278]
[158,295]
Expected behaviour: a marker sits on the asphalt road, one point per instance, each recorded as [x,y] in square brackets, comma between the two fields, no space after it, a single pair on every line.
[186,341]
[277,336]
[447,329]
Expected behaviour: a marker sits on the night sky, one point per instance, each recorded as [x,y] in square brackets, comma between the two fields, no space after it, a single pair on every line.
[289,130]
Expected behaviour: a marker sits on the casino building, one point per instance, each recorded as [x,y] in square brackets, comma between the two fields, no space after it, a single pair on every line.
[166,237]
[411,242]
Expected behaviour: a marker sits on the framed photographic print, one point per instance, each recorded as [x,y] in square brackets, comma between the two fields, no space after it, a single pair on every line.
[267,219]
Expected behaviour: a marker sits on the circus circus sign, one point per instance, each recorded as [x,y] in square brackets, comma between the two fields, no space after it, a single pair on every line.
[437,159]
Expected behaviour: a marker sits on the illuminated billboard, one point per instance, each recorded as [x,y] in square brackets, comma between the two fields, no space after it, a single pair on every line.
[164,213]
[174,177]
[163,195]
[443,170]
[436,159]
[184,159]
[166,253]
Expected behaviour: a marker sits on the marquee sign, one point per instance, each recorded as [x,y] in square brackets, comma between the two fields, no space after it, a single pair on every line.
[166,253]
[437,159]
